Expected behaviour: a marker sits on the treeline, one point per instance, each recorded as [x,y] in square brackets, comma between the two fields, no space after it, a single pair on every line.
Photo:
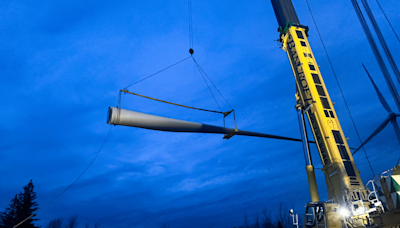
[265,219]
[72,222]
[21,212]
[23,207]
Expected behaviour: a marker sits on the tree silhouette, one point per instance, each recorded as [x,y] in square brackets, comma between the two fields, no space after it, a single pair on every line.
[22,206]
[72,222]
[29,206]
[257,223]
[266,221]
[9,217]
[284,216]
[246,223]
[55,223]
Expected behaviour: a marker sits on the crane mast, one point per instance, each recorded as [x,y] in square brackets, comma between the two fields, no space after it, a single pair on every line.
[345,188]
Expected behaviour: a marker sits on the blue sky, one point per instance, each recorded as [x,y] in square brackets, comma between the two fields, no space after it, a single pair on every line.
[63,63]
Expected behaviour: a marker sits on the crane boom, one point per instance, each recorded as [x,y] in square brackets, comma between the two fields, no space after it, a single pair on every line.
[342,177]
[338,164]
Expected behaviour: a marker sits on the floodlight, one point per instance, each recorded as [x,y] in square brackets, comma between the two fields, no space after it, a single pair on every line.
[344,212]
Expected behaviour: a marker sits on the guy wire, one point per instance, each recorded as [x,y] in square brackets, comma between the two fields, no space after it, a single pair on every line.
[69,186]
[388,20]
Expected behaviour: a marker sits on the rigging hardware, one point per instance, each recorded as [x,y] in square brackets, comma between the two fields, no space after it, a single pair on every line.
[172,103]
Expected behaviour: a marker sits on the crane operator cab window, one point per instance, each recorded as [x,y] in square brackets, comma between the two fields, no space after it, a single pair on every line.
[314,215]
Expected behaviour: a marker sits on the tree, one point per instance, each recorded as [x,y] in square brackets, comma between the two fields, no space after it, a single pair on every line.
[9,217]
[22,206]
[29,206]
[266,221]
[246,223]
[72,222]
[284,216]
[257,223]
[55,223]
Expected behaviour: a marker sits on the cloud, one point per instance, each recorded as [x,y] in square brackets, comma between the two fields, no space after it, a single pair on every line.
[64,62]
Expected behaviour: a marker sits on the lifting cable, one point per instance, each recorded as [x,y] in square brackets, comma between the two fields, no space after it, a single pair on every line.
[157,72]
[337,81]
[203,75]
[205,81]
[201,71]
[185,106]
[190,26]
[126,91]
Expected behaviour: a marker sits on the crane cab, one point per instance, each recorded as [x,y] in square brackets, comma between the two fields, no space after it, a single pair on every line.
[322,215]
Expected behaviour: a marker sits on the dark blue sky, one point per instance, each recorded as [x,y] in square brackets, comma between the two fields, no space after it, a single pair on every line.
[63,62]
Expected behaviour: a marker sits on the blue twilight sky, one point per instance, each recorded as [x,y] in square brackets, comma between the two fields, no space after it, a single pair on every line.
[63,62]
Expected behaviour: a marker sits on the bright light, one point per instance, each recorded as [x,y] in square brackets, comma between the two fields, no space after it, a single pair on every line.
[344,211]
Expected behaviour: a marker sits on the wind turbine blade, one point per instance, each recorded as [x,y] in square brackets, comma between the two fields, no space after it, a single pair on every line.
[256,134]
[130,118]
[379,129]
[380,96]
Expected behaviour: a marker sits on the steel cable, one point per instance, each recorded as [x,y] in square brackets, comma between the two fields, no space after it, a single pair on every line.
[157,72]
[388,20]
[69,186]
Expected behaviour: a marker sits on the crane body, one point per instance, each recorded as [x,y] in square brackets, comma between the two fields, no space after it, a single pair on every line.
[342,177]
[349,202]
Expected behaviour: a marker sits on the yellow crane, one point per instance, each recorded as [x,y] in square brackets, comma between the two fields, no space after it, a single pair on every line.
[350,204]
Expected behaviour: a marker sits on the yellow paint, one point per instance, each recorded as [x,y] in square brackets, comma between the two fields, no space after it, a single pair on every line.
[341,181]
[312,182]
